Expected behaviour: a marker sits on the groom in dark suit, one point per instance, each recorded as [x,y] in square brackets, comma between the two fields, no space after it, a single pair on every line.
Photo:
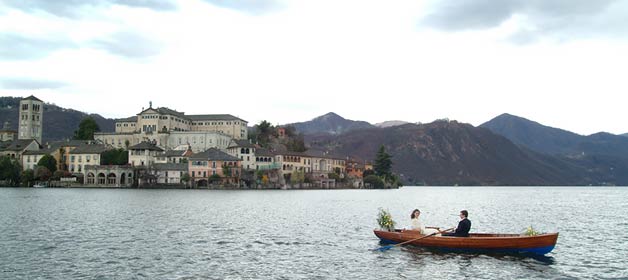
[463,226]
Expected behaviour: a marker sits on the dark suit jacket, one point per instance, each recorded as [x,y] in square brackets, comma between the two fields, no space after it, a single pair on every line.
[463,228]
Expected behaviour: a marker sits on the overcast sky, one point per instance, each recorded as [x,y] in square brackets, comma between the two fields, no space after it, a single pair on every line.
[561,63]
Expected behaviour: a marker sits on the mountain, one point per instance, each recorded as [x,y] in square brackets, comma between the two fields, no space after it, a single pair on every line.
[535,136]
[59,123]
[330,123]
[449,153]
[390,123]
[625,135]
[554,141]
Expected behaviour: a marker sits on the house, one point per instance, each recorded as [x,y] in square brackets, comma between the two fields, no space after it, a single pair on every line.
[85,155]
[7,134]
[169,173]
[214,164]
[144,154]
[355,168]
[245,151]
[174,156]
[265,160]
[16,148]
[31,158]
[60,150]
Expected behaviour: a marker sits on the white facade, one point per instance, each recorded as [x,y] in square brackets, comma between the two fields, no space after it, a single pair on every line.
[29,161]
[198,140]
[78,162]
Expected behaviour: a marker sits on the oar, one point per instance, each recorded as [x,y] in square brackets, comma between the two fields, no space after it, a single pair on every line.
[384,248]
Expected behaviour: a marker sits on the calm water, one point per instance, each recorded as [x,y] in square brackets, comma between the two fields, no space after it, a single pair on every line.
[326,234]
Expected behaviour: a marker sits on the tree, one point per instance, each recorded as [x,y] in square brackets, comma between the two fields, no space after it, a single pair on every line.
[42,173]
[214,178]
[374,181]
[383,163]
[226,170]
[10,171]
[115,157]
[49,162]
[264,131]
[185,178]
[27,177]
[86,130]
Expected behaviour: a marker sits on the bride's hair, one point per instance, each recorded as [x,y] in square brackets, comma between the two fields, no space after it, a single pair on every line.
[414,211]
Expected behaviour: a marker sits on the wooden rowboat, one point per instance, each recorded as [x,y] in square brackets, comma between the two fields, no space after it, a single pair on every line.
[476,242]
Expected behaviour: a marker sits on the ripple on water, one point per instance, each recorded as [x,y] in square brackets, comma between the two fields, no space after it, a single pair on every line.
[148,234]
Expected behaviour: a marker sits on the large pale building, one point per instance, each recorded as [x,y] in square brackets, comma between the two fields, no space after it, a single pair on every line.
[31,115]
[170,129]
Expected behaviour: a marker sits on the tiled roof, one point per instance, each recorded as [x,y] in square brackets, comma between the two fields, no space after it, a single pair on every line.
[165,111]
[216,117]
[39,152]
[32,98]
[168,111]
[243,143]
[146,146]
[259,152]
[4,144]
[171,166]
[19,145]
[89,149]
[214,154]
[129,119]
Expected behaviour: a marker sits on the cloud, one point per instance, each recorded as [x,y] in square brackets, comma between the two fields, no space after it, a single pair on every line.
[558,19]
[19,47]
[128,44]
[255,7]
[72,8]
[30,84]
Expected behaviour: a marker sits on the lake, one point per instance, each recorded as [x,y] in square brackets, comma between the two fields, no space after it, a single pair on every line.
[300,234]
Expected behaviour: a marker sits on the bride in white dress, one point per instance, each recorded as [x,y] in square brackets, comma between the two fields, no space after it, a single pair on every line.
[415,224]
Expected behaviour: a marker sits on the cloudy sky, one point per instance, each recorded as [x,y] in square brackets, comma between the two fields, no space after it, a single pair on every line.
[561,63]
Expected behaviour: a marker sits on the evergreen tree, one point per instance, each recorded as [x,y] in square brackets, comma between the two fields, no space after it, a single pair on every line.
[9,171]
[86,130]
[115,157]
[383,163]
[49,162]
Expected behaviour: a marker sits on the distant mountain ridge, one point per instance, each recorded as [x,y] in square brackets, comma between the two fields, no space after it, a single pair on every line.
[330,123]
[554,141]
[449,153]
[59,123]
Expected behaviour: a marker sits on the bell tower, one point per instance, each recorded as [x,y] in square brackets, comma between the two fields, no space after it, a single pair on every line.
[31,118]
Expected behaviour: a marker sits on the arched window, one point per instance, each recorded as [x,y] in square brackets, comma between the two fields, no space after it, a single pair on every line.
[111,179]
[101,178]
[90,178]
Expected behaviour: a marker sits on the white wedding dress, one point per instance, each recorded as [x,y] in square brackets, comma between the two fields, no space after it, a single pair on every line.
[415,224]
